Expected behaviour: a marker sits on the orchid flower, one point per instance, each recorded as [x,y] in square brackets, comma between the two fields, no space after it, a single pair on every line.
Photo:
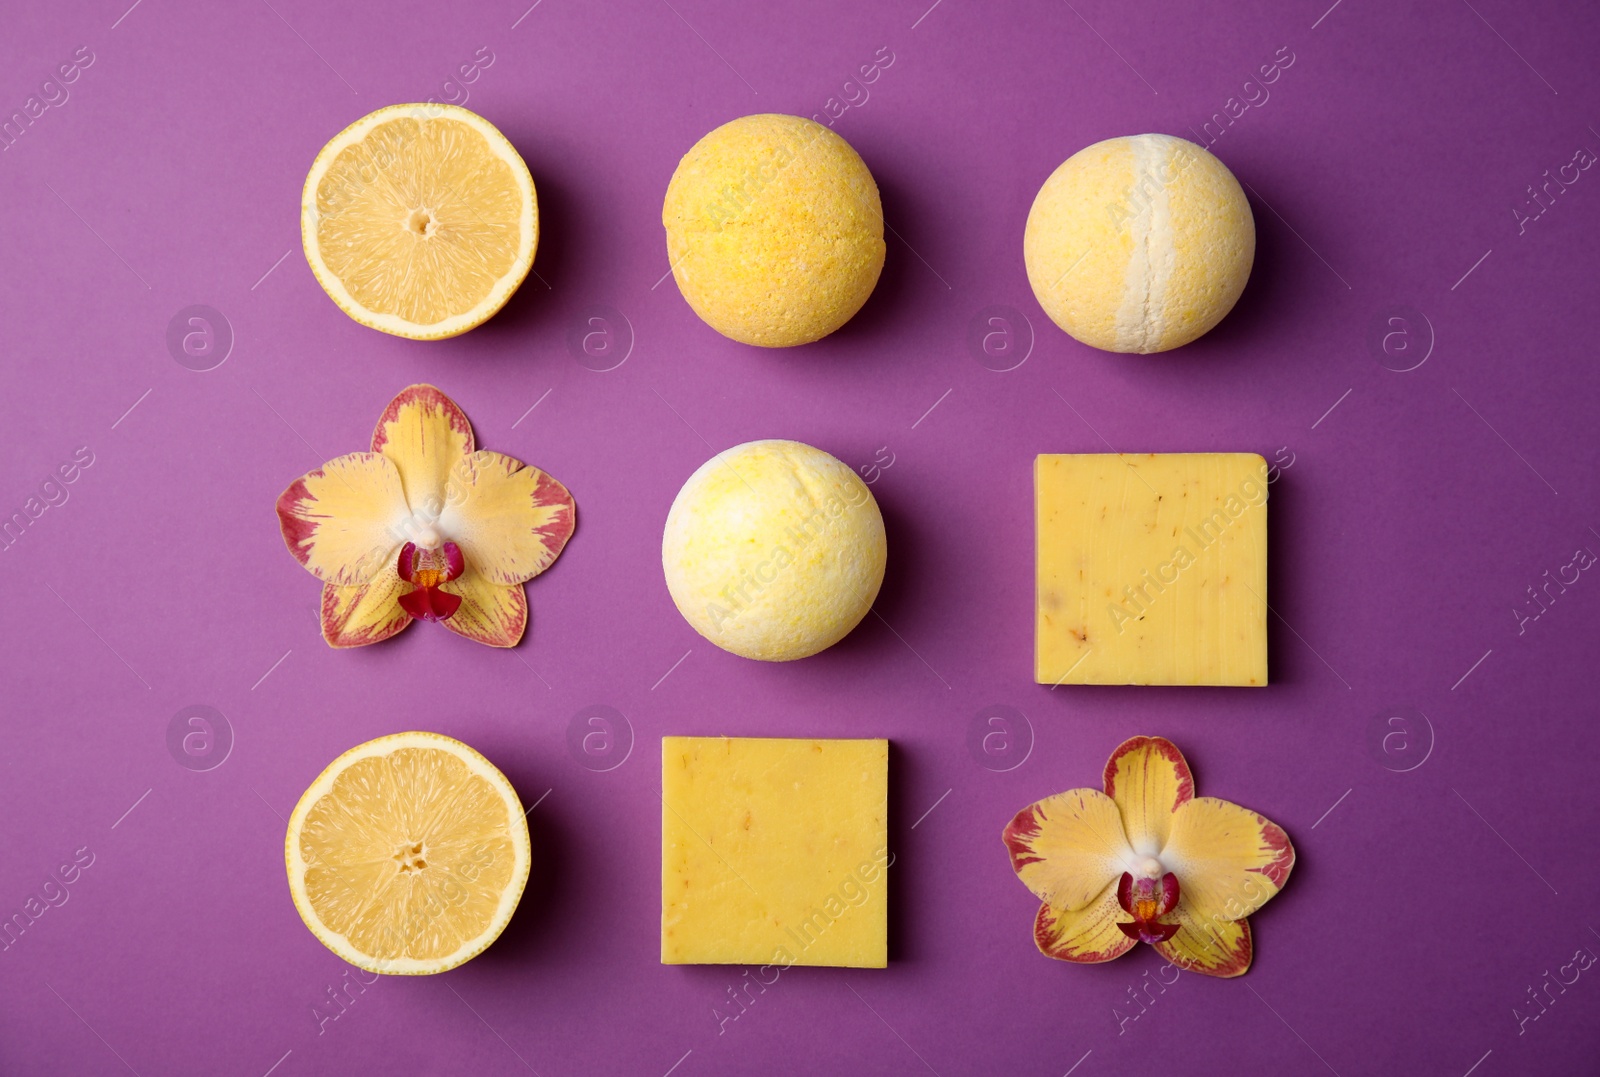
[1147,861]
[425,527]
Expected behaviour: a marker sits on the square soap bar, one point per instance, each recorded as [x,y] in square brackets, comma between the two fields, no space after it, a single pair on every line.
[774,852]
[1152,569]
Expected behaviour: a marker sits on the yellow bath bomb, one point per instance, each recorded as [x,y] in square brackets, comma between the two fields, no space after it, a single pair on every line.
[774,230]
[774,550]
[1139,244]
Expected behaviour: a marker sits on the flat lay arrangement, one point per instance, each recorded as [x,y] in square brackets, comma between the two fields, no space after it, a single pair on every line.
[1048,476]
[774,550]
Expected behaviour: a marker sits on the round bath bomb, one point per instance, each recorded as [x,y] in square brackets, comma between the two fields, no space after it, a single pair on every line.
[774,230]
[1139,244]
[773,550]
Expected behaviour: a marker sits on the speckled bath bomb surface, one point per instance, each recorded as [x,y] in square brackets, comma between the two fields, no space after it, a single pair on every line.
[1139,244]
[774,230]
[774,550]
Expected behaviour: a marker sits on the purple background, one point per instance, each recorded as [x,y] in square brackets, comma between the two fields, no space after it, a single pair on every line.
[1382,167]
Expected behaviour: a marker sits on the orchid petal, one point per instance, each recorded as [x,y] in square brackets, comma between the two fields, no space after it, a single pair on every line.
[491,613]
[369,613]
[1088,935]
[1149,779]
[511,519]
[1211,947]
[425,434]
[1231,860]
[339,521]
[1068,847]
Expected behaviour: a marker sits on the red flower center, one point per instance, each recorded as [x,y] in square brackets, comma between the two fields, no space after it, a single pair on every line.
[426,570]
[1147,899]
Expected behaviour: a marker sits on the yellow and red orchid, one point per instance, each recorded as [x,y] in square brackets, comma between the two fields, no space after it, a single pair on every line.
[425,527]
[1147,861]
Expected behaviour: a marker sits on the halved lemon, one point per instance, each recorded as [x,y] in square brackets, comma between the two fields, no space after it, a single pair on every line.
[408,855]
[420,220]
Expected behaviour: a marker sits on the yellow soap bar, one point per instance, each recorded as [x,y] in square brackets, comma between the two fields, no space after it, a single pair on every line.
[774,852]
[1152,569]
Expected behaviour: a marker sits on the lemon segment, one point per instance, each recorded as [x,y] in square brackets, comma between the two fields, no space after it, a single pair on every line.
[408,854]
[420,220]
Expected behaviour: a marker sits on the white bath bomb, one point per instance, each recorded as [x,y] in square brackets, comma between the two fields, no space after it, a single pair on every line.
[1139,244]
[774,550]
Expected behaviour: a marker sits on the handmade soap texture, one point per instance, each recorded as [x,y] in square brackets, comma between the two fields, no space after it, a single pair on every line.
[1152,569]
[774,852]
